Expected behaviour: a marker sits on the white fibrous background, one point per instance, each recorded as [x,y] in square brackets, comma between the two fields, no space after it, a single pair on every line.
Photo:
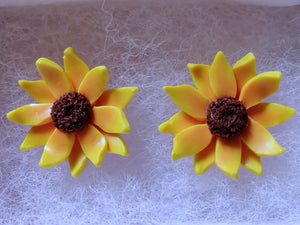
[147,44]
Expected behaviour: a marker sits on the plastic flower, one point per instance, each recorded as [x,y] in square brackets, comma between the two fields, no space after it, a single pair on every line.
[76,119]
[224,121]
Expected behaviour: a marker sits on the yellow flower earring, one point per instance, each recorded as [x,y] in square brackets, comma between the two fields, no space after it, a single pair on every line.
[76,119]
[223,121]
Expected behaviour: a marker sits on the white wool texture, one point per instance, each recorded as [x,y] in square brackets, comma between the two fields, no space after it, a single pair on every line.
[147,44]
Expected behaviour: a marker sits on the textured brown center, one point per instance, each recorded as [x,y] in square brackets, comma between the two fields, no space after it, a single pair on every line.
[227,117]
[71,112]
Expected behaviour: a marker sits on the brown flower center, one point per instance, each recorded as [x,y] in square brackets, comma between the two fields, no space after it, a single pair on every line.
[227,117]
[71,112]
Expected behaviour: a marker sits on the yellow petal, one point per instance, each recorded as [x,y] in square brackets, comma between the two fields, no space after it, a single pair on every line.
[94,83]
[190,141]
[271,114]
[251,161]
[259,88]
[31,115]
[75,67]
[205,159]
[177,123]
[260,141]
[111,119]
[55,77]
[37,137]
[116,144]
[38,90]
[120,97]
[244,70]
[57,149]
[93,144]
[222,79]
[200,74]
[189,100]
[228,156]
[77,160]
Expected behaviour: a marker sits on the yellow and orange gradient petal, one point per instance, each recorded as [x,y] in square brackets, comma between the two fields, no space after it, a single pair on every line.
[107,122]
[192,134]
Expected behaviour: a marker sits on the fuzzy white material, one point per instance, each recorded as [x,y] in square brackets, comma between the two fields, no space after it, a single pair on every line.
[147,45]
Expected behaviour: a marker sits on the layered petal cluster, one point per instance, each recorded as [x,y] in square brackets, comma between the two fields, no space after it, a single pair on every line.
[100,136]
[192,134]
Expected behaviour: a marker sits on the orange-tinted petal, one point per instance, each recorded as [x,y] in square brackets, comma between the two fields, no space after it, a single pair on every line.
[205,159]
[228,156]
[111,119]
[200,75]
[75,67]
[116,144]
[189,100]
[190,141]
[271,114]
[54,76]
[31,115]
[251,161]
[77,160]
[259,88]
[37,137]
[260,141]
[244,70]
[222,79]
[93,144]
[94,83]
[57,149]
[38,90]
[177,123]
[120,97]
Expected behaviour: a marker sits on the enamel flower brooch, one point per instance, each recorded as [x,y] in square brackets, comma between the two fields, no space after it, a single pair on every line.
[76,119]
[223,120]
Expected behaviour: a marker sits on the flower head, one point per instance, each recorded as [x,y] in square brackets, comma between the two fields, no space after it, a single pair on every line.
[76,119]
[223,121]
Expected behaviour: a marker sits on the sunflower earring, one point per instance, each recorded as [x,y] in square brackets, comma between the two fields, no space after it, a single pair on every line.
[223,121]
[76,119]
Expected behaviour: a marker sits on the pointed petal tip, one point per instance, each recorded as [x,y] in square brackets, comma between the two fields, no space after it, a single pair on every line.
[24,148]
[69,50]
[232,175]
[101,68]
[201,171]
[162,127]
[134,90]
[76,173]
[220,53]
[127,129]
[191,66]
[9,115]
[258,173]
[175,157]
[45,165]
[281,151]
[167,88]
[21,82]
[41,61]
